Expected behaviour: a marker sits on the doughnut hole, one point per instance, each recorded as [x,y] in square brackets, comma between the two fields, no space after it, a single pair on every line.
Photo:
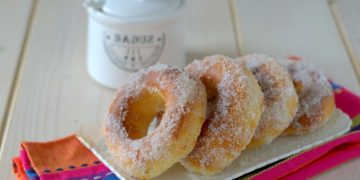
[212,95]
[211,89]
[142,112]
[211,79]
[299,87]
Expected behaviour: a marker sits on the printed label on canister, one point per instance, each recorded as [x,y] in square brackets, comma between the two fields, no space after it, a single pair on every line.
[133,51]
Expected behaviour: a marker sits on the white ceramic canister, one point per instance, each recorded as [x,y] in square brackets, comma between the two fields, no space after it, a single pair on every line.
[127,35]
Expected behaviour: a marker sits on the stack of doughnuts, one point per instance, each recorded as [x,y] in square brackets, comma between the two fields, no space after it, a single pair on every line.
[235,104]
[206,114]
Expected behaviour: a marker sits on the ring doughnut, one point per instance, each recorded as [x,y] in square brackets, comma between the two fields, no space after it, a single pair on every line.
[281,101]
[235,103]
[176,98]
[316,99]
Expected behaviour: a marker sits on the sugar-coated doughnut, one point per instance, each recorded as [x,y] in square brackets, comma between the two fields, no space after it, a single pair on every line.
[316,99]
[281,100]
[177,100]
[235,103]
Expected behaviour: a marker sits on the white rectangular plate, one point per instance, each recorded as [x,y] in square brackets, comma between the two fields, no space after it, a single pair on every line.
[250,160]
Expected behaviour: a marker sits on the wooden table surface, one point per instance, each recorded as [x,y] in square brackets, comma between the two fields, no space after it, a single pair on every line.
[46,93]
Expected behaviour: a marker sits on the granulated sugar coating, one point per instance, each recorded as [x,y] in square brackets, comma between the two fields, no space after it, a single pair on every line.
[316,99]
[235,105]
[281,101]
[178,129]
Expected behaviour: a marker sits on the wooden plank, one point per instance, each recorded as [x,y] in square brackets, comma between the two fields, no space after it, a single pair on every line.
[210,29]
[14,16]
[56,96]
[346,15]
[304,28]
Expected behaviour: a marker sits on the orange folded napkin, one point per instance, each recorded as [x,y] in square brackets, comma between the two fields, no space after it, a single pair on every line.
[64,158]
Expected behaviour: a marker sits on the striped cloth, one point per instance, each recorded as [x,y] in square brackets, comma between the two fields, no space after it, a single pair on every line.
[65,158]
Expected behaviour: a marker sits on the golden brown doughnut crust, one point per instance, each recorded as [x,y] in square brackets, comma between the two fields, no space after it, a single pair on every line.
[316,99]
[281,100]
[175,96]
[235,103]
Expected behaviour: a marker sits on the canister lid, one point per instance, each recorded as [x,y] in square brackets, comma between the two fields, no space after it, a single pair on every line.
[139,8]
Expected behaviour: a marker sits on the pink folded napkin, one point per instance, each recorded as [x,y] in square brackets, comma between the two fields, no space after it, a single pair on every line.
[315,161]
